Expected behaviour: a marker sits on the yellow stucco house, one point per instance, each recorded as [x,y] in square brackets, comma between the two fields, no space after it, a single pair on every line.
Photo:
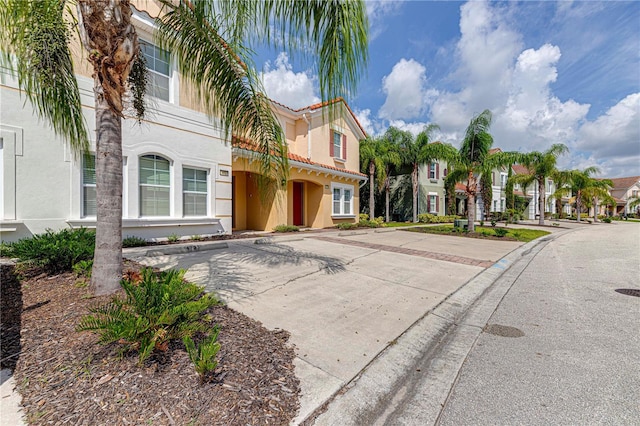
[324,177]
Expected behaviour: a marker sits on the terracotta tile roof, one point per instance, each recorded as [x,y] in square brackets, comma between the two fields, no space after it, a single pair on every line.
[625,182]
[461,187]
[240,143]
[520,170]
[321,105]
[494,150]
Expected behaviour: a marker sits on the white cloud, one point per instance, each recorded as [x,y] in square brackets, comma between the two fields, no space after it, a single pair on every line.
[295,90]
[615,133]
[406,92]
[377,11]
[414,127]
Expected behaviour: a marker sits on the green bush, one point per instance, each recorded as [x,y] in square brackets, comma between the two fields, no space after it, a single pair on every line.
[173,238]
[501,232]
[54,251]
[431,218]
[203,355]
[83,268]
[363,216]
[347,225]
[606,220]
[196,237]
[368,224]
[286,228]
[156,309]
[134,242]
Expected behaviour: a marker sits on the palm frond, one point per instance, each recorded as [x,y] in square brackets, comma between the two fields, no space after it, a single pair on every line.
[225,86]
[35,37]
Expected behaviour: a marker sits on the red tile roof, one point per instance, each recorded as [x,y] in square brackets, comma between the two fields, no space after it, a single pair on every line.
[321,105]
[247,145]
[494,150]
[624,182]
[520,170]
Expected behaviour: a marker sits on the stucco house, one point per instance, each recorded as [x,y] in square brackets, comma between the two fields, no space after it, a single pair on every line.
[324,176]
[624,190]
[431,187]
[181,175]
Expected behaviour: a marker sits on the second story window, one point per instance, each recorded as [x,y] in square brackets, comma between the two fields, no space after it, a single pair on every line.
[433,170]
[159,70]
[338,145]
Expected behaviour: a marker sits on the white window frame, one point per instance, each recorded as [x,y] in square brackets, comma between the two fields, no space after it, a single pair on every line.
[141,185]
[495,205]
[206,193]
[154,72]
[433,203]
[337,134]
[342,188]
[84,185]
[503,180]
[432,170]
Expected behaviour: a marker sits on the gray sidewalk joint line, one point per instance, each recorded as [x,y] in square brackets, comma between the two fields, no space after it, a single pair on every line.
[319,368]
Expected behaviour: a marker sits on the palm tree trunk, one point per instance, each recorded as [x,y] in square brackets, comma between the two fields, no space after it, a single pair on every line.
[541,201]
[107,263]
[414,184]
[578,206]
[472,187]
[387,192]
[595,209]
[372,202]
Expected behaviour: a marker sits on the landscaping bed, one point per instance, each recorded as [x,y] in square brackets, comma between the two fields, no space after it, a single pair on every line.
[489,233]
[65,376]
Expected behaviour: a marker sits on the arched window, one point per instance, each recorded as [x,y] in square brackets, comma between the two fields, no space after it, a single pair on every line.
[155,186]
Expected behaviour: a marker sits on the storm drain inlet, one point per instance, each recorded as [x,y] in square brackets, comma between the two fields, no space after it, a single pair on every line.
[629,291]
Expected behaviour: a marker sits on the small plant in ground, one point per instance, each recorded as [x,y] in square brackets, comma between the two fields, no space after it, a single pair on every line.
[494,223]
[131,241]
[485,233]
[482,223]
[286,228]
[196,238]
[607,220]
[156,309]
[515,234]
[203,355]
[555,224]
[54,251]
[173,238]
[347,225]
[501,232]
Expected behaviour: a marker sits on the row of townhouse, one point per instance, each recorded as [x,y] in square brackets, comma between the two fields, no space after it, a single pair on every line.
[181,174]
[433,195]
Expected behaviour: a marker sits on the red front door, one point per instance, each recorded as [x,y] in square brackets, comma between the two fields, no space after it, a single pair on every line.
[297,203]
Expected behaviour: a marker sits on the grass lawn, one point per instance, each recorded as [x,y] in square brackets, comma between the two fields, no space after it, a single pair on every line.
[524,235]
[399,224]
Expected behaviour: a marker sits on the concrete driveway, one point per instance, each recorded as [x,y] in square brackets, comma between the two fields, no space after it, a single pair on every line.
[344,297]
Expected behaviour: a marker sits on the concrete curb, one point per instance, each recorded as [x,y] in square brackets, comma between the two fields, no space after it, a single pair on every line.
[173,249]
[437,343]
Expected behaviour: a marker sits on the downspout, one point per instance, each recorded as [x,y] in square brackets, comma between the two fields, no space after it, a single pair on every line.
[304,117]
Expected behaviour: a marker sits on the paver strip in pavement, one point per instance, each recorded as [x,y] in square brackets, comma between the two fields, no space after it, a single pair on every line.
[411,252]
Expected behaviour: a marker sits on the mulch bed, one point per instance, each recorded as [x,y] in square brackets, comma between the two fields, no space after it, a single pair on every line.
[65,377]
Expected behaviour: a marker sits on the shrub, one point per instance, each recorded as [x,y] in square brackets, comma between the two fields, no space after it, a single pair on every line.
[286,228]
[501,232]
[484,232]
[368,224]
[425,218]
[482,223]
[173,238]
[203,355]
[54,251]
[347,225]
[83,268]
[134,242]
[363,216]
[156,310]
[196,237]
[606,220]
[493,223]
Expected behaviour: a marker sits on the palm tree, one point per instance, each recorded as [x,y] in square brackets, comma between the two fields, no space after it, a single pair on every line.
[581,184]
[212,42]
[470,162]
[371,161]
[562,181]
[541,165]
[597,191]
[391,160]
[420,151]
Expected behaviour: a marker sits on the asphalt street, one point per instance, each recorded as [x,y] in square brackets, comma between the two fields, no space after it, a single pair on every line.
[561,348]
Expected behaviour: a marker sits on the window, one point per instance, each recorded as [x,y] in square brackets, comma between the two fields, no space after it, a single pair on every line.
[338,145]
[342,200]
[503,180]
[433,204]
[89,185]
[432,171]
[155,186]
[159,70]
[194,192]
[495,205]
[549,185]
[634,193]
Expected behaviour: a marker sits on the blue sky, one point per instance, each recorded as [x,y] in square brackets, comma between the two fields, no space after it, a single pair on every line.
[551,72]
